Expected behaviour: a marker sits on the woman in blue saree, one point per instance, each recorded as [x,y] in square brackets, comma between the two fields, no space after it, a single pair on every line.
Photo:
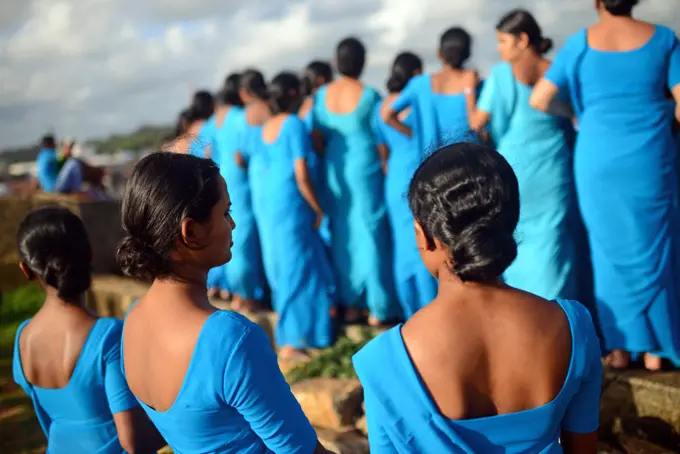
[617,73]
[538,146]
[484,368]
[401,156]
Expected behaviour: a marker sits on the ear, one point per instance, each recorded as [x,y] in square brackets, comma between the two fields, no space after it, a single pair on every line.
[421,239]
[417,72]
[187,231]
[27,271]
[524,41]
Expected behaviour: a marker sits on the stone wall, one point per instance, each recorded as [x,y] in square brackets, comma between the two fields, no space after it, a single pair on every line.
[102,221]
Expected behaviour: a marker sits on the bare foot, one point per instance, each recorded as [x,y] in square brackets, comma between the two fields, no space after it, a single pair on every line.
[618,359]
[289,353]
[225,295]
[653,363]
[374,321]
[236,303]
[213,292]
[351,315]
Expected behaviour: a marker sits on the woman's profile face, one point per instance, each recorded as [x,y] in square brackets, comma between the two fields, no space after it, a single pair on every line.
[509,46]
[222,225]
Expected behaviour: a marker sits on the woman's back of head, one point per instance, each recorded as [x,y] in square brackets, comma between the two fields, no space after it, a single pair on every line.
[350,57]
[455,47]
[406,65]
[55,249]
[316,74]
[465,201]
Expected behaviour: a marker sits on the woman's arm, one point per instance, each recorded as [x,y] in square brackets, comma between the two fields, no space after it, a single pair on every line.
[136,432]
[304,184]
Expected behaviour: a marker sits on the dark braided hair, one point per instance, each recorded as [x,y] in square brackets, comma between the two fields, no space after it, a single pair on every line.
[466,196]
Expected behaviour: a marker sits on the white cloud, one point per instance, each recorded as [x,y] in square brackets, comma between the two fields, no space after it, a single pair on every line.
[88,68]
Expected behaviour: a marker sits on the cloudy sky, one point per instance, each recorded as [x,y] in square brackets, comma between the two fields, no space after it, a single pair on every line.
[89,68]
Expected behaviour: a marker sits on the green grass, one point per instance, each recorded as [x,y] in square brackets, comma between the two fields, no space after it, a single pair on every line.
[19,429]
[332,362]
[15,307]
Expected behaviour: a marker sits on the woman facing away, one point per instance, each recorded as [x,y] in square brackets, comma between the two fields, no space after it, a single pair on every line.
[438,100]
[316,75]
[207,378]
[538,146]
[617,73]
[360,240]
[253,92]
[302,294]
[222,129]
[401,156]
[65,358]
[195,140]
[484,367]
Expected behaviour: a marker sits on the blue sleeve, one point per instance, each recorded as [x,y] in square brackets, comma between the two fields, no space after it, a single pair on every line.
[377,437]
[70,177]
[298,139]
[558,73]
[256,388]
[118,394]
[583,412]
[486,97]
[674,65]
[46,166]
[407,97]
[376,121]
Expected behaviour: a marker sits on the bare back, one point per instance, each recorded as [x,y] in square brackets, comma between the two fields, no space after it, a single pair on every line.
[343,96]
[257,114]
[271,130]
[620,35]
[51,343]
[306,107]
[159,338]
[449,82]
[490,352]
[220,114]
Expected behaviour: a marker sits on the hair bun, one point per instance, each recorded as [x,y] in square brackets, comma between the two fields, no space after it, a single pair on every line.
[138,260]
[483,251]
[396,83]
[619,7]
[546,45]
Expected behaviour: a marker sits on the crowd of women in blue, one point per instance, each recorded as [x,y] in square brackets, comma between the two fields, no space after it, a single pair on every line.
[474,213]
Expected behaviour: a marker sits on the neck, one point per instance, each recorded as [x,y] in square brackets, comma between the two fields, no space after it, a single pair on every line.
[52,299]
[448,70]
[449,283]
[190,289]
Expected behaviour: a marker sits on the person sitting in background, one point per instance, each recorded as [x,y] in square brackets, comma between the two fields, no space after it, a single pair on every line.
[67,359]
[47,164]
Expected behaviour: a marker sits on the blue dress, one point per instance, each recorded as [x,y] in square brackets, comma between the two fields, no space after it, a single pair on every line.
[249,145]
[325,228]
[234,398]
[440,119]
[207,136]
[625,172]
[79,416]
[47,169]
[538,146]
[402,417]
[244,273]
[302,294]
[361,244]
[415,285]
